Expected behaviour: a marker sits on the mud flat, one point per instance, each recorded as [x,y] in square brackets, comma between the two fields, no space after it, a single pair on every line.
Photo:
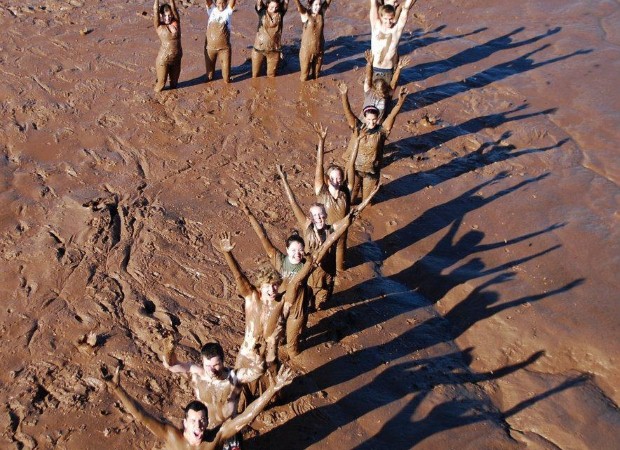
[480,307]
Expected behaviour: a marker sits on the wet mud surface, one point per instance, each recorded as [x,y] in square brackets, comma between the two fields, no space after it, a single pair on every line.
[479,308]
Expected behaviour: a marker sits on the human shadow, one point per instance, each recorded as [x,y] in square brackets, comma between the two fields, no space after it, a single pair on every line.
[521,64]
[452,414]
[471,55]
[200,79]
[415,145]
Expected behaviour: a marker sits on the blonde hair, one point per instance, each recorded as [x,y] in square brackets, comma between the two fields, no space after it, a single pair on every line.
[266,274]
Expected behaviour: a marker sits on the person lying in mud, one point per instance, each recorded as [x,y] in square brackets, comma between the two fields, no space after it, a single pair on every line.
[217,38]
[290,264]
[385,35]
[377,91]
[267,44]
[197,432]
[168,27]
[215,385]
[370,147]
[312,39]
[317,232]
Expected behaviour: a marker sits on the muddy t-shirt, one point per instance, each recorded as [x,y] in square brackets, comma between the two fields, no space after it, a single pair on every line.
[337,207]
[218,28]
[269,32]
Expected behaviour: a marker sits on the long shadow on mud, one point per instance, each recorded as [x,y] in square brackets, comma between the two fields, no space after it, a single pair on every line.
[487,153]
[347,52]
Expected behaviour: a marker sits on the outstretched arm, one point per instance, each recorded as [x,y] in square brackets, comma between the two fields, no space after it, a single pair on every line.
[156,14]
[171,363]
[209,4]
[346,106]
[244,287]
[389,120]
[302,219]
[155,426]
[319,179]
[233,426]
[402,62]
[374,14]
[301,8]
[175,11]
[402,18]
[232,4]
[270,249]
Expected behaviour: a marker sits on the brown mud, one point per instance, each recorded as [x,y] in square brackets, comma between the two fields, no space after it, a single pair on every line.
[480,308]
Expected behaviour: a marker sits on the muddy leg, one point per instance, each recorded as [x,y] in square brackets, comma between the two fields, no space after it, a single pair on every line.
[304,62]
[318,62]
[257,62]
[272,63]
[341,248]
[162,74]
[225,56]
[369,182]
[210,58]
[175,72]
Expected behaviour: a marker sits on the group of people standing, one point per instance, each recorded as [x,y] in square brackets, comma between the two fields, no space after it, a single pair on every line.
[299,279]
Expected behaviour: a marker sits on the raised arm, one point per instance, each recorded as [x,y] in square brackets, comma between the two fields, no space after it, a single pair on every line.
[350,169]
[374,14]
[368,73]
[389,120]
[233,426]
[156,14]
[302,219]
[301,8]
[175,11]
[244,288]
[284,6]
[270,249]
[259,5]
[319,178]
[346,106]
[297,284]
[402,63]
[232,4]
[209,4]
[155,426]
[171,363]
[402,18]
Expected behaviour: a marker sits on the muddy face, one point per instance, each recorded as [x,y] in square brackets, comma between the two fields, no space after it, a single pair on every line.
[370,120]
[295,252]
[315,7]
[335,178]
[194,426]
[166,17]
[220,4]
[272,7]
[269,291]
[318,216]
[214,366]
[387,20]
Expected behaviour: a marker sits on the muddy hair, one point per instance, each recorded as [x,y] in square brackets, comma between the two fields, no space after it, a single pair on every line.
[165,7]
[382,86]
[211,350]
[386,9]
[333,167]
[295,237]
[196,405]
[266,274]
[318,205]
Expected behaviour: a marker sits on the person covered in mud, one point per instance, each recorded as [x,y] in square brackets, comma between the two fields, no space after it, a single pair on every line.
[333,190]
[217,38]
[377,91]
[197,432]
[290,264]
[168,27]
[316,232]
[267,44]
[216,385]
[265,309]
[369,149]
[312,39]
[385,35]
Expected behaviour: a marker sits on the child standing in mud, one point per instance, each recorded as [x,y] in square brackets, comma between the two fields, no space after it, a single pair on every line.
[370,148]
[168,27]
[312,40]
[378,92]
[386,31]
[217,38]
[267,44]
